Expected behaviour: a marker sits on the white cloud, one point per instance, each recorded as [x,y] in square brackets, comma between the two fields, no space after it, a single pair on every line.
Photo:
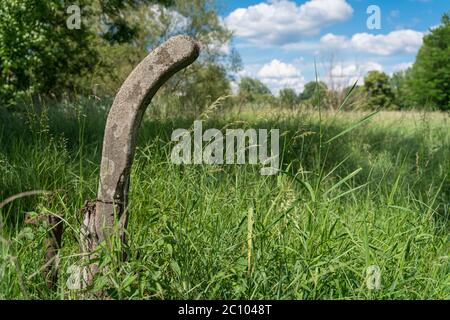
[277,69]
[275,85]
[395,42]
[401,41]
[280,22]
[215,46]
[278,75]
[335,41]
[347,73]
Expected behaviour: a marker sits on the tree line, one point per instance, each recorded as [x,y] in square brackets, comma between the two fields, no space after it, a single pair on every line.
[40,56]
[424,85]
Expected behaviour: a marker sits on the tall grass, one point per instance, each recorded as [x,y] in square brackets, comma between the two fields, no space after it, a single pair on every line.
[378,194]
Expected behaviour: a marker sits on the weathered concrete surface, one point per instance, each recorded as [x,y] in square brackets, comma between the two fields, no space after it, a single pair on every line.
[121,131]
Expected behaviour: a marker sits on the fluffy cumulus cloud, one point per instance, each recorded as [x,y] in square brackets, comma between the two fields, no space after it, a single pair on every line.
[401,41]
[278,75]
[276,84]
[395,42]
[277,69]
[334,41]
[281,22]
[346,74]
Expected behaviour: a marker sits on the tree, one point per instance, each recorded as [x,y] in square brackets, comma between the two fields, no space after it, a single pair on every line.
[314,92]
[251,90]
[155,24]
[111,21]
[356,98]
[401,89]
[39,54]
[205,84]
[378,90]
[37,50]
[288,98]
[430,74]
[206,80]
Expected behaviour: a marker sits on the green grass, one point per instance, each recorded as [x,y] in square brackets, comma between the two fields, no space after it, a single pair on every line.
[377,195]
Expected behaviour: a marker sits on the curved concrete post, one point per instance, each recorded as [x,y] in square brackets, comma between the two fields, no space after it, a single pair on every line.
[121,130]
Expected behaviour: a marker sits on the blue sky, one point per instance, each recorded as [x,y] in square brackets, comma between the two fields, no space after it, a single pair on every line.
[280,40]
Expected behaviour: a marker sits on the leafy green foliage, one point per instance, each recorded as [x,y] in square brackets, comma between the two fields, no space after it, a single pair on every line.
[38,53]
[314,92]
[378,89]
[251,90]
[155,24]
[401,89]
[288,97]
[195,90]
[430,74]
[115,26]
[356,98]
[208,82]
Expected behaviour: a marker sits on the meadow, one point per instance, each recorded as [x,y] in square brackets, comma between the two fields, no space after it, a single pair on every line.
[355,190]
